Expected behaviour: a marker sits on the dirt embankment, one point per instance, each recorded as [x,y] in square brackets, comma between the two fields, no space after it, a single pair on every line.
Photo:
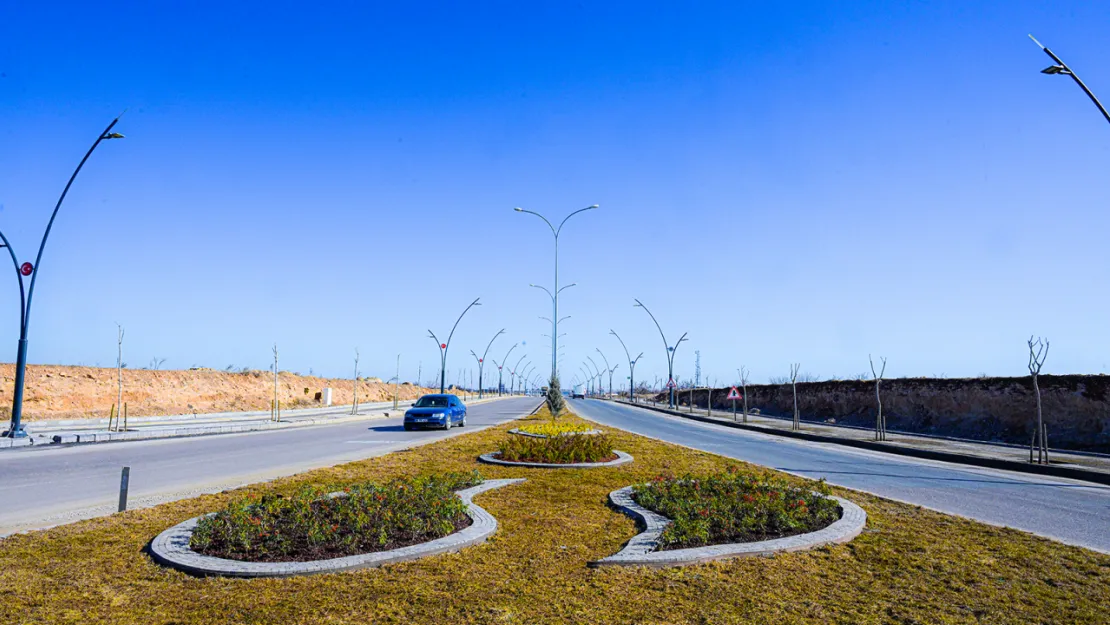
[62,392]
[1076,407]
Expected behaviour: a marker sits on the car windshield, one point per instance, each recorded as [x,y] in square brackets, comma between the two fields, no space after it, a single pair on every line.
[431,401]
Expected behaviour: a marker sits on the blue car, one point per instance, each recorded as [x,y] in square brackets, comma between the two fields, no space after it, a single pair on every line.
[436,411]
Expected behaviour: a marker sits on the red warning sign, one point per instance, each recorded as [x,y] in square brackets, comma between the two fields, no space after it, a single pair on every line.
[670,383]
[734,394]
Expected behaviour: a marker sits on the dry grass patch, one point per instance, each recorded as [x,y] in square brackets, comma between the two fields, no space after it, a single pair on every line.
[910,566]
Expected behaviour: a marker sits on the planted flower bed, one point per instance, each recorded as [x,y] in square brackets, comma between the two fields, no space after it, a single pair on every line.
[566,449]
[315,525]
[734,507]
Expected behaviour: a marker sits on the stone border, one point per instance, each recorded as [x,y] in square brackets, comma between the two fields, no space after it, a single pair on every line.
[530,434]
[491,458]
[171,547]
[640,550]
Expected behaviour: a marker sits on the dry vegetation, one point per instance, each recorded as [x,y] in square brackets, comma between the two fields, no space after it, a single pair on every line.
[67,392]
[910,565]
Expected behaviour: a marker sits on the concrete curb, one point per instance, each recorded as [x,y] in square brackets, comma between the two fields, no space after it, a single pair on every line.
[640,550]
[171,547]
[529,434]
[491,458]
[1071,472]
[8,443]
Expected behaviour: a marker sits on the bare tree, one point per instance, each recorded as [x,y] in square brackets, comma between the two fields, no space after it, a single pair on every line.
[275,410]
[880,420]
[156,363]
[354,406]
[797,424]
[119,376]
[1038,351]
[744,389]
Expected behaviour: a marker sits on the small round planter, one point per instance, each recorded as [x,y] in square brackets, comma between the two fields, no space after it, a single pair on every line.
[641,549]
[171,547]
[492,458]
[523,433]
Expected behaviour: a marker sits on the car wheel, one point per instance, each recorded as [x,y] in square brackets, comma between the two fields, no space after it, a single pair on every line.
[408,428]
[462,423]
[447,423]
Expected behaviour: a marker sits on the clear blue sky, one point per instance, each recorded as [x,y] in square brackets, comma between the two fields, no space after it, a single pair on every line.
[788,182]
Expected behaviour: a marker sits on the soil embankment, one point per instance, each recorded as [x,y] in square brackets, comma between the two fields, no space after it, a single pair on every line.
[1076,407]
[65,392]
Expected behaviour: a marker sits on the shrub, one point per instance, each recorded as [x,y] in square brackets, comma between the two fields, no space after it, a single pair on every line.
[734,507]
[555,428]
[555,402]
[312,525]
[557,449]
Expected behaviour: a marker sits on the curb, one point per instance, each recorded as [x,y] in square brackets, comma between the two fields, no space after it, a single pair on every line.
[1071,472]
[171,547]
[640,550]
[491,458]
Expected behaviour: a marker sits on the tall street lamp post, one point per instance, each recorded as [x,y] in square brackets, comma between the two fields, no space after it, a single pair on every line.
[609,369]
[513,372]
[500,366]
[555,298]
[15,430]
[1062,69]
[443,347]
[670,354]
[482,360]
[631,366]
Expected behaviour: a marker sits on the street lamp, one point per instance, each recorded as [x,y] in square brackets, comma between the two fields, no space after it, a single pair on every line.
[512,373]
[15,430]
[631,366]
[443,347]
[596,375]
[555,298]
[1061,68]
[670,353]
[500,365]
[481,361]
[609,369]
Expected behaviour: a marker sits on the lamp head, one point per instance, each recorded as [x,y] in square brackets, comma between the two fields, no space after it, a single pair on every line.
[112,135]
[595,206]
[519,209]
[1056,69]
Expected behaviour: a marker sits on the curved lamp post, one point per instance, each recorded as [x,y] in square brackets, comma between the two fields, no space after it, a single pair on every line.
[15,430]
[512,373]
[631,366]
[481,361]
[520,372]
[554,324]
[608,368]
[586,379]
[596,375]
[555,298]
[500,365]
[670,353]
[443,347]
[1062,69]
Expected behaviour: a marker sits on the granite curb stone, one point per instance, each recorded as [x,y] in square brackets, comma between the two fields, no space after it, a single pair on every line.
[171,547]
[491,458]
[641,549]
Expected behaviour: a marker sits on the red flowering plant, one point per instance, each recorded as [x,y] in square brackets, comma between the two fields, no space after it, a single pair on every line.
[734,507]
[312,524]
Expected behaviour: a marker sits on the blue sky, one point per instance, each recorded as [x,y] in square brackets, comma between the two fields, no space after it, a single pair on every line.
[788,182]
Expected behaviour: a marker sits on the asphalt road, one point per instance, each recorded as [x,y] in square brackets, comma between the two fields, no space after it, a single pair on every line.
[1066,510]
[54,485]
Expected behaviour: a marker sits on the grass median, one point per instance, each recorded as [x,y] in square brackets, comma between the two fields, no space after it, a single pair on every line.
[910,565]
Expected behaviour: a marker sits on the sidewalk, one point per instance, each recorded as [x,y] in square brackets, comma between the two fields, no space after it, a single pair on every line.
[1077,465]
[72,431]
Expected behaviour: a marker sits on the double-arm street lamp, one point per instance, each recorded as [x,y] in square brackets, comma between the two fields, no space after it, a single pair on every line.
[513,373]
[15,430]
[609,369]
[631,366]
[482,360]
[443,347]
[597,374]
[556,290]
[670,353]
[1061,68]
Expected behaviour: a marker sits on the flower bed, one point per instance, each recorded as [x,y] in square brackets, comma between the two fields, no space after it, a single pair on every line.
[566,449]
[556,428]
[734,507]
[311,525]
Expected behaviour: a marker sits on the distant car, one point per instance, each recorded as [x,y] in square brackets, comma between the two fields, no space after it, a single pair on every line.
[577,396]
[436,411]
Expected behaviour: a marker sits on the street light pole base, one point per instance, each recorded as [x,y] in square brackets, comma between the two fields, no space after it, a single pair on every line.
[17,433]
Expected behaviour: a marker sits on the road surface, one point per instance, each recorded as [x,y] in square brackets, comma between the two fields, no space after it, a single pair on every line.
[60,484]
[1070,511]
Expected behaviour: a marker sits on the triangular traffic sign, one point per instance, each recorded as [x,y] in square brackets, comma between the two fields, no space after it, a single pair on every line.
[670,383]
[734,394]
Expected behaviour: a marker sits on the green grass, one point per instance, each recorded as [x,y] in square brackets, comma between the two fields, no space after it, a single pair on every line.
[734,507]
[910,565]
[555,428]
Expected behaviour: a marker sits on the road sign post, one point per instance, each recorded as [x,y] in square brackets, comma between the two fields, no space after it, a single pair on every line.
[733,395]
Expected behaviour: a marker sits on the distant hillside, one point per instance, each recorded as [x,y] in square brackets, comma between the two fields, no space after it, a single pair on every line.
[1076,407]
[59,391]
